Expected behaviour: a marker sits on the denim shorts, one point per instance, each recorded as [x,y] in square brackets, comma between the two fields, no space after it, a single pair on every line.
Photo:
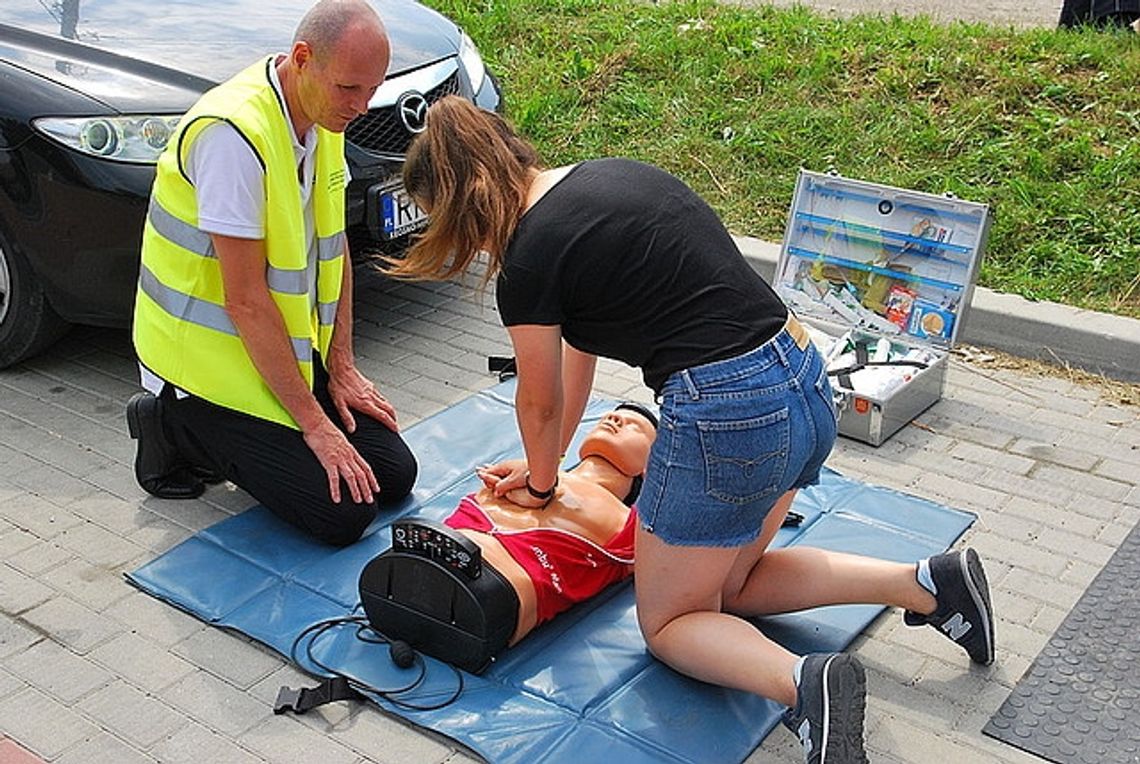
[735,435]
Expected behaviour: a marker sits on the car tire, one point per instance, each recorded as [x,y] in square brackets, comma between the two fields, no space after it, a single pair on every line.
[28,324]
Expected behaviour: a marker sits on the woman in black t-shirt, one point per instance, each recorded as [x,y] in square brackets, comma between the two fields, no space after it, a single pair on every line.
[617,258]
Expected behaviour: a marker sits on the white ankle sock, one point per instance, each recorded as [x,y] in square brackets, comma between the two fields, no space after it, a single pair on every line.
[924,578]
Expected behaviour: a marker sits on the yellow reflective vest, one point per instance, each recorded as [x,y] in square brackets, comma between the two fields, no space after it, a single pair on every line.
[181,329]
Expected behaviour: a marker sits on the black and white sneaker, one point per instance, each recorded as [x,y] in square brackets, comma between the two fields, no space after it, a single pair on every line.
[831,697]
[963,612]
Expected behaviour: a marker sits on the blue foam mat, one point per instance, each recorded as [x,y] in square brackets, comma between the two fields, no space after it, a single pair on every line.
[582,686]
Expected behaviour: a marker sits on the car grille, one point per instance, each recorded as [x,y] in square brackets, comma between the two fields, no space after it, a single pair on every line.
[381,131]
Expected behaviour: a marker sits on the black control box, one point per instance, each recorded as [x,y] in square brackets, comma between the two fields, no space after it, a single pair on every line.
[439,543]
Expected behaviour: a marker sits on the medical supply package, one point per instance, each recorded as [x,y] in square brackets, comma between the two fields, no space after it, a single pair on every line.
[884,276]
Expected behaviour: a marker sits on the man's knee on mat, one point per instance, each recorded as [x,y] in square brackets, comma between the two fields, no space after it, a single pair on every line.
[397,478]
[345,523]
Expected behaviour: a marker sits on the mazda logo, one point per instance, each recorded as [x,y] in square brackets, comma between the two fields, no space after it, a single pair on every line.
[412,108]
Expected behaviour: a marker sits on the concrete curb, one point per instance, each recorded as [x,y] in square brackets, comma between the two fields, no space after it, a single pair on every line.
[1097,342]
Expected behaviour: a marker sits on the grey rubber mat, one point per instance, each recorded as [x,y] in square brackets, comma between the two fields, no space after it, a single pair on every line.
[1080,700]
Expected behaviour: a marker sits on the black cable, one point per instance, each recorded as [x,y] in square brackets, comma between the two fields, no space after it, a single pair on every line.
[366,633]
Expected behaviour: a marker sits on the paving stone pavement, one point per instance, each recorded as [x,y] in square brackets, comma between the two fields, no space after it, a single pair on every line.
[91,670]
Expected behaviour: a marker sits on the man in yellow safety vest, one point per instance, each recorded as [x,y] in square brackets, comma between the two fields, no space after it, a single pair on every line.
[243,316]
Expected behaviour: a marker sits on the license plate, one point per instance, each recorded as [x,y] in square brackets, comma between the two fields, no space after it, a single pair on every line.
[399,213]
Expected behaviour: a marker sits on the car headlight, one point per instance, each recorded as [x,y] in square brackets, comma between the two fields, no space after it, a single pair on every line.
[472,61]
[121,139]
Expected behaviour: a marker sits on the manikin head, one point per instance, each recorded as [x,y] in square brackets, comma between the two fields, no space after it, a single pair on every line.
[623,438]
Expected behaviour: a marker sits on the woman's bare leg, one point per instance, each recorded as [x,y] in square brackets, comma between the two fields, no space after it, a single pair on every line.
[679,609]
[689,600]
[764,582]
[786,580]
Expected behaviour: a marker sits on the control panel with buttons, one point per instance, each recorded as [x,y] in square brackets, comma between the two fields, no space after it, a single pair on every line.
[437,542]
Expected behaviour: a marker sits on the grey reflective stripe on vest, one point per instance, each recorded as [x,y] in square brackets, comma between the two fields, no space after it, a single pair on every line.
[326,313]
[287,282]
[193,310]
[329,247]
[186,236]
[281,280]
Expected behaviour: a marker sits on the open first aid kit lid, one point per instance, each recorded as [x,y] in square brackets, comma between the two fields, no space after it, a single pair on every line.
[884,259]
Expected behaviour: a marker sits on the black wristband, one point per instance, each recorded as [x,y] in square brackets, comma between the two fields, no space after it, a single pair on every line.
[546,495]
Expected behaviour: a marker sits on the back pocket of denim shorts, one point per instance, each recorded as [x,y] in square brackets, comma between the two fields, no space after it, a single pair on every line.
[745,459]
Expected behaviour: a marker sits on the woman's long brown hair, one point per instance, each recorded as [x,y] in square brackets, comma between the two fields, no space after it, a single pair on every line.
[472,171]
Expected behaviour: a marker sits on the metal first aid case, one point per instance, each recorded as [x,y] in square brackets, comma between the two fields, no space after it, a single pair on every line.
[884,276]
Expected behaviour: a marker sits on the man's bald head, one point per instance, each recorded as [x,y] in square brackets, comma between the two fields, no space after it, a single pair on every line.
[327,22]
[339,58]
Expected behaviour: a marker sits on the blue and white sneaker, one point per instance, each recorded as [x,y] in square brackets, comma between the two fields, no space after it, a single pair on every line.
[963,612]
[831,697]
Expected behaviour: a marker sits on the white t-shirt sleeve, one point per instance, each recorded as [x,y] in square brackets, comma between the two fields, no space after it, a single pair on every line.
[229,183]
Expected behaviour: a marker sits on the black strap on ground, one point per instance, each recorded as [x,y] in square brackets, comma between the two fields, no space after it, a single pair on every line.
[302,699]
[792,520]
[504,366]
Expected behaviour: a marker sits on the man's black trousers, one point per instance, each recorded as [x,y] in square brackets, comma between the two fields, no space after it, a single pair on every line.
[275,466]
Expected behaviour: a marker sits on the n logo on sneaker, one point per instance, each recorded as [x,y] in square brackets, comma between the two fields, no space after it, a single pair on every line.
[956,626]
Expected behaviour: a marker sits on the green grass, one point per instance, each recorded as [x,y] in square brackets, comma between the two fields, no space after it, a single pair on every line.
[1043,125]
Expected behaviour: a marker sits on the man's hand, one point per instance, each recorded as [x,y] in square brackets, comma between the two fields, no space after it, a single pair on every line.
[350,390]
[341,460]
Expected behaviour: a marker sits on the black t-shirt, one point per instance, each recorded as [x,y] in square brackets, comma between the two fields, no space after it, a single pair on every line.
[633,265]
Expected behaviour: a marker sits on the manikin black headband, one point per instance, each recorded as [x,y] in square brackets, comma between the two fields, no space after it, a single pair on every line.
[640,409]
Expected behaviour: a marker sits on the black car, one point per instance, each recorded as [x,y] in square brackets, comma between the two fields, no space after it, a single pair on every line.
[90,91]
